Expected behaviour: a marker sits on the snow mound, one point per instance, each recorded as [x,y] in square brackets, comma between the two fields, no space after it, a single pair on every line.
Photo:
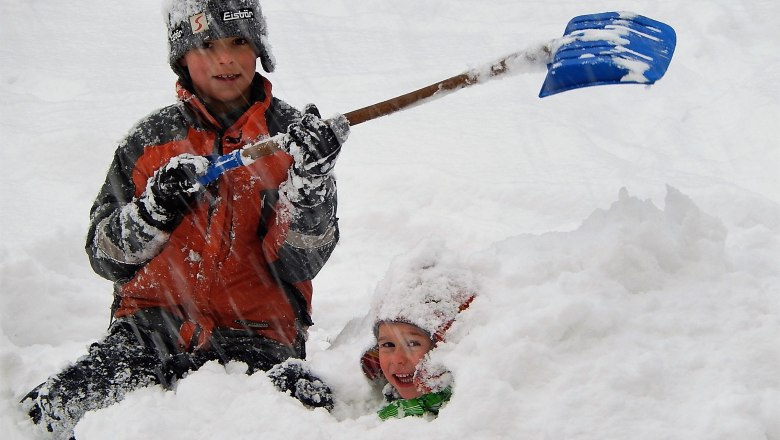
[641,323]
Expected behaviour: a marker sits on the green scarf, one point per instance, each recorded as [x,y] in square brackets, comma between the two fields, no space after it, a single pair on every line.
[418,406]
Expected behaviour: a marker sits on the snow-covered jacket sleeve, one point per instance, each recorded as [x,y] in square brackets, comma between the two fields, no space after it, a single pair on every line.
[119,240]
[313,226]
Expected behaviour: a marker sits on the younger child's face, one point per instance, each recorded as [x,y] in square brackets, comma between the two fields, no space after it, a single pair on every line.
[222,72]
[401,347]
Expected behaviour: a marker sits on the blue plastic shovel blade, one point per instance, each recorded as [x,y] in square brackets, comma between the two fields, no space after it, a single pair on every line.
[610,48]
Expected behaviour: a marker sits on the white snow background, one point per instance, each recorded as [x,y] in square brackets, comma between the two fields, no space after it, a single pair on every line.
[627,238]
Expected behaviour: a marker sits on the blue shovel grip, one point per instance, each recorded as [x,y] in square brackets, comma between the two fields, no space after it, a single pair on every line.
[220,165]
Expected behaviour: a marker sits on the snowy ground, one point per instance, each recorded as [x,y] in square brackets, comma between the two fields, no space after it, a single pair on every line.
[627,237]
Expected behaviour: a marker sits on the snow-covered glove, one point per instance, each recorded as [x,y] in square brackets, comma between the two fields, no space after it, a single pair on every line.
[315,144]
[171,190]
[293,376]
[431,377]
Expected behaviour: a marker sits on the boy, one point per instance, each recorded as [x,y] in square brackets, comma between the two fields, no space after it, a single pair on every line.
[221,272]
[414,306]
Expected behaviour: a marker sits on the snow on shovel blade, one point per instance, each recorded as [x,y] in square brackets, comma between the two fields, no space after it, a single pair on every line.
[609,48]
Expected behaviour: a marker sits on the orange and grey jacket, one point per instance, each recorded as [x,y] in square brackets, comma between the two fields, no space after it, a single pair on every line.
[238,259]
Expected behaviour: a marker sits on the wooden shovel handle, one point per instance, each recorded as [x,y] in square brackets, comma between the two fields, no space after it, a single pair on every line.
[535,56]
[257,150]
[538,55]
[401,102]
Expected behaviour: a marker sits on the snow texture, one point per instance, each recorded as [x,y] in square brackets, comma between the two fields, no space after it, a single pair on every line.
[625,238]
[178,11]
[424,287]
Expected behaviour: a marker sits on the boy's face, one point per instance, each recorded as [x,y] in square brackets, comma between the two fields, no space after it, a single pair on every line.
[401,347]
[222,72]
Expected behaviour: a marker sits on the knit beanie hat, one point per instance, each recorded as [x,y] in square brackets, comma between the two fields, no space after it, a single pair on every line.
[427,288]
[191,22]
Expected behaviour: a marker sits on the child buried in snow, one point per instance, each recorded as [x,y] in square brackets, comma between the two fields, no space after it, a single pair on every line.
[217,272]
[415,305]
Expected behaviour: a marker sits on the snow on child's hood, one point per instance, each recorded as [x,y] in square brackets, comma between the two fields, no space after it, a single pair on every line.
[427,287]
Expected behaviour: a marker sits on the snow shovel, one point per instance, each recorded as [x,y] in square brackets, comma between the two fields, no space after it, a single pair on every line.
[596,49]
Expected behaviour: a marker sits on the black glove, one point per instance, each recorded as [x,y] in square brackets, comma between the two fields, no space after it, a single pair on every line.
[294,377]
[171,190]
[318,142]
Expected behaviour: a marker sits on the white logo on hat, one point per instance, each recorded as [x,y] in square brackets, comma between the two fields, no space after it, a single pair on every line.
[241,14]
[199,23]
[177,33]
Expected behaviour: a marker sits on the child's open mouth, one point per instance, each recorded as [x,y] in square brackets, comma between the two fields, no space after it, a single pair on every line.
[404,379]
[226,77]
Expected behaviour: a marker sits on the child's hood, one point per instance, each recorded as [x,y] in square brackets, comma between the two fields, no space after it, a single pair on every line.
[427,288]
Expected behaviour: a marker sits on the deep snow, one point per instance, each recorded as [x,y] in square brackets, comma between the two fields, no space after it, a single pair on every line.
[626,238]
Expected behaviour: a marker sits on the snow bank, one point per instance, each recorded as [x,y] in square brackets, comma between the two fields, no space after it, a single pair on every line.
[641,323]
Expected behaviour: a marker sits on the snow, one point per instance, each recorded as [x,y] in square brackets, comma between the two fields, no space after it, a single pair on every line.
[426,287]
[626,238]
[181,11]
